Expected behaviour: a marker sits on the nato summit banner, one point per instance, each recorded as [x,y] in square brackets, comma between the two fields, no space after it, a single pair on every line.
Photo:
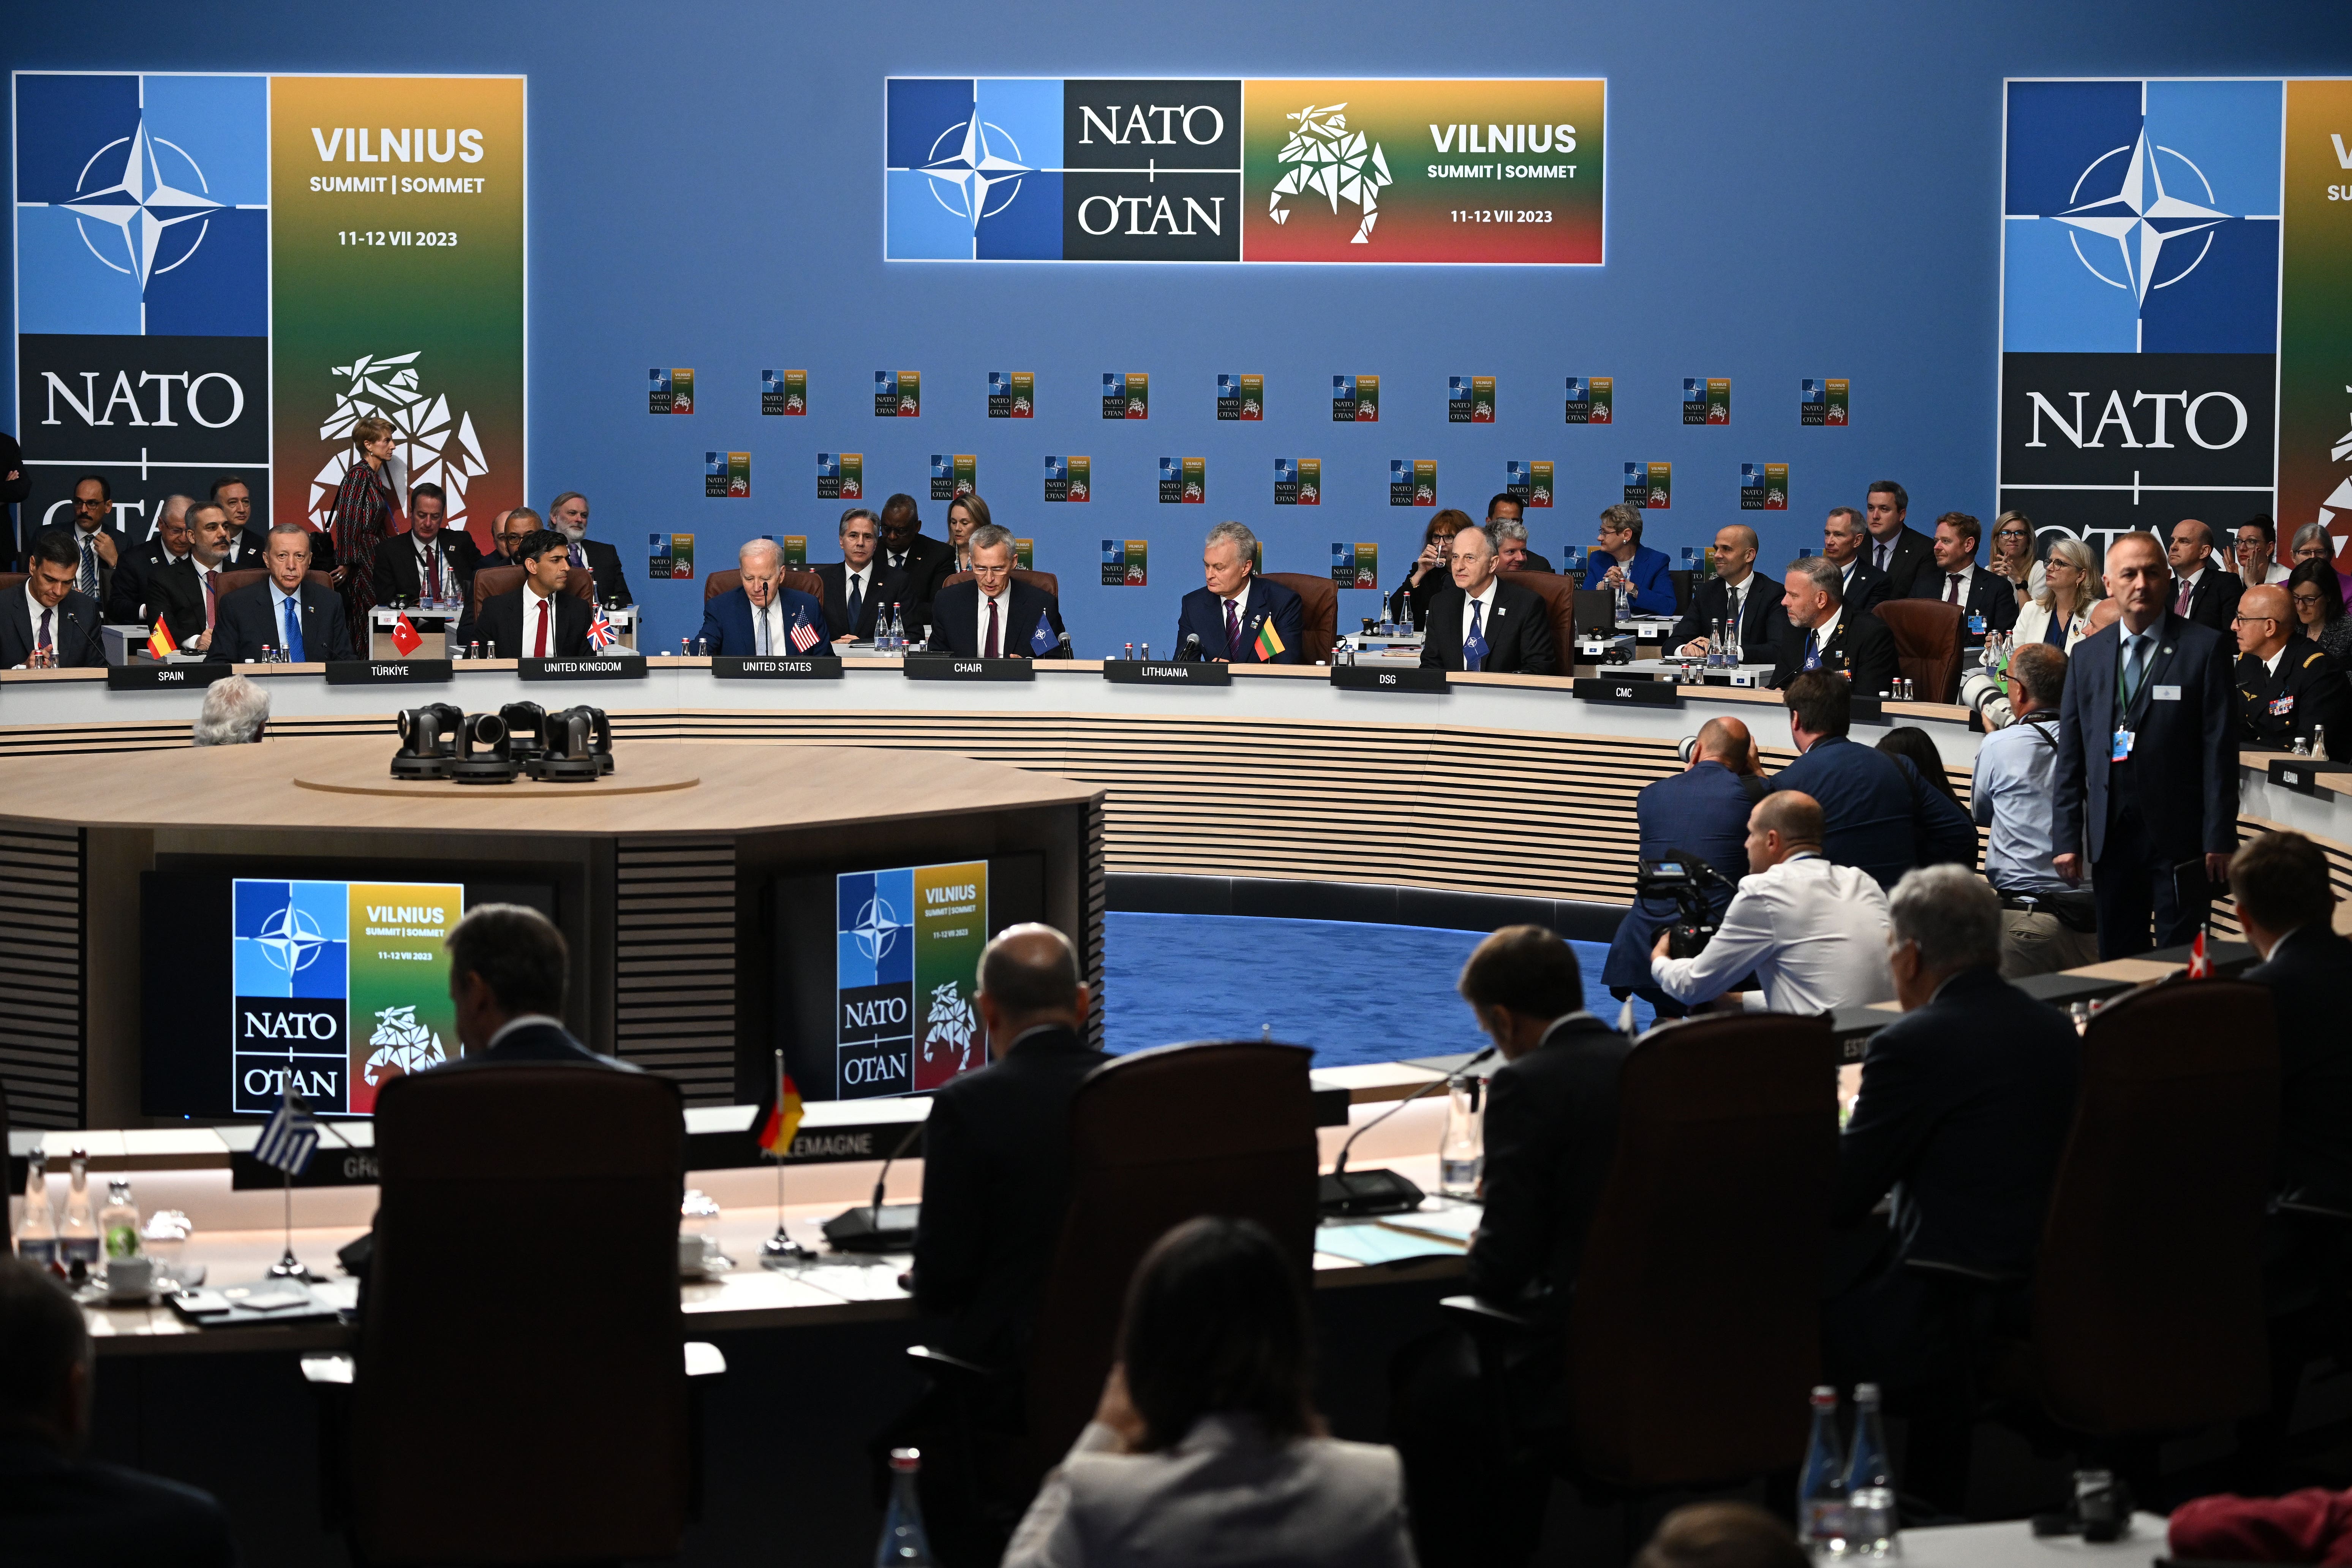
[219,274]
[1047,169]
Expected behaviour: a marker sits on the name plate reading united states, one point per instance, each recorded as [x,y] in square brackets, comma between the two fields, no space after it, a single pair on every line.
[596,667]
[733,666]
[1630,690]
[389,672]
[146,676]
[1372,677]
[1157,672]
[947,667]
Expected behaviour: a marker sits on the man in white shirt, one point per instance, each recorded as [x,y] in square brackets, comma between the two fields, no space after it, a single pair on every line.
[1737,595]
[1481,623]
[1813,932]
[2047,924]
[1953,578]
[858,586]
[758,618]
[2201,591]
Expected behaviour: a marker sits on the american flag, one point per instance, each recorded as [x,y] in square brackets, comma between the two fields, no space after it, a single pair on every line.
[802,635]
[290,1138]
[602,632]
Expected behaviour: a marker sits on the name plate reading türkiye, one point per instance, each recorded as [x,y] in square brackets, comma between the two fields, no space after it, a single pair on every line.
[389,672]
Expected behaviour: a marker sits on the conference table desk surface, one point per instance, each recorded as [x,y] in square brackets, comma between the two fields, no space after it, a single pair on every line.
[2011,1543]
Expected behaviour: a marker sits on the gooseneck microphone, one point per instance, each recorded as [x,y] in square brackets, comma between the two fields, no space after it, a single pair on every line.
[1191,652]
[1380,1192]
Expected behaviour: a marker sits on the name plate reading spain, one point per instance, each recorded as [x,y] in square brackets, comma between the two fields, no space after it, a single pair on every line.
[389,672]
[148,676]
[1639,691]
[734,666]
[1158,672]
[2310,776]
[1370,677]
[631,667]
[947,667]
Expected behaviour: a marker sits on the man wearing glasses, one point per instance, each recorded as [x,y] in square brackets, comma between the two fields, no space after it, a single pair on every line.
[2046,924]
[2285,684]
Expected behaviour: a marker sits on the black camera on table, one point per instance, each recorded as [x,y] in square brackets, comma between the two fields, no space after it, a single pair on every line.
[1683,879]
[573,746]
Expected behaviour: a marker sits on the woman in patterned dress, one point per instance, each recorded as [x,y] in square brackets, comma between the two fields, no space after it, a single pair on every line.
[366,508]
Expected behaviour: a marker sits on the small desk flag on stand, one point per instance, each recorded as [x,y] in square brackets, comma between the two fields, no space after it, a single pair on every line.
[159,641]
[601,631]
[1269,641]
[784,1118]
[290,1138]
[404,636]
[2199,966]
[802,636]
[1044,639]
[780,1250]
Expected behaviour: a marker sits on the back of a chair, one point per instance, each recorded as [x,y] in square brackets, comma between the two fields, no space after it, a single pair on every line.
[11,581]
[1319,621]
[1157,1138]
[1685,581]
[2148,1307]
[229,582]
[720,583]
[489,581]
[1046,580]
[1695,1333]
[1926,634]
[522,1340]
[1559,595]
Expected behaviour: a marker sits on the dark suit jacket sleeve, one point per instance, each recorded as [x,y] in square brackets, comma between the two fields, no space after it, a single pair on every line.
[2217,748]
[339,645]
[612,583]
[76,629]
[714,631]
[1705,609]
[1941,832]
[1891,1120]
[2069,773]
[127,592]
[1290,626]
[1538,654]
[952,1229]
[1514,1240]
[384,577]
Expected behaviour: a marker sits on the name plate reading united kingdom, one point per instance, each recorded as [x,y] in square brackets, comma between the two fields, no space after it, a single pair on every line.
[389,672]
[948,666]
[629,667]
[1159,672]
[729,667]
[1371,678]
[148,677]
[1637,692]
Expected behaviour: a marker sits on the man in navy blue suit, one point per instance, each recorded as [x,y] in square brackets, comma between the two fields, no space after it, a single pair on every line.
[995,614]
[2147,776]
[1703,810]
[1232,614]
[1953,577]
[758,618]
[285,610]
[1862,587]
[1882,816]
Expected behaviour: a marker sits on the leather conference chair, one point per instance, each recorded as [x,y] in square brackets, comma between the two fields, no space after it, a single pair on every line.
[1559,593]
[522,1308]
[489,581]
[727,582]
[1046,580]
[13,580]
[1319,617]
[1695,1334]
[1683,579]
[1926,635]
[229,582]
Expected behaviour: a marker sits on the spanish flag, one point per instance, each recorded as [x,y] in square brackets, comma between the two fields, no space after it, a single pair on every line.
[1269,641]
[159,641]
[783,1120]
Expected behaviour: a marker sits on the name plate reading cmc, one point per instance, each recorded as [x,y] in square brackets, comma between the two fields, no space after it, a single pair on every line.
[150,677]
[1156,672]
[632,668]
[731,667]
[389,672]
[947,667]
[1371,678]
[1629,690]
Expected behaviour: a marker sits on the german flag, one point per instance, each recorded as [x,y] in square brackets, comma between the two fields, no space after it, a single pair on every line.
[159,641]
[1269,641]
[784,1118]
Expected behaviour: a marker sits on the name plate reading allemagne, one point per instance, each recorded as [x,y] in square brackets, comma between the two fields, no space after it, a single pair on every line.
[1157,672]
[948,666]
[148,677]
[389,672]
[733,666]
[1378,677]
[594,667]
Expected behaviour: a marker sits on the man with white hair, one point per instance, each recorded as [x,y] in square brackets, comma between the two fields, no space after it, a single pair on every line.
[1240,616]
[1823,634]
[235,712]
[126,599]
[759,617]
[568,515]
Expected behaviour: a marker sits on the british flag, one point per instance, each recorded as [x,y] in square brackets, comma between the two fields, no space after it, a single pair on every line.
[601,631]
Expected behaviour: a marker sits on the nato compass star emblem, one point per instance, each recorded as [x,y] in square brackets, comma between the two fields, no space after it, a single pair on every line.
[2142,218]
[292,940]
[970,160]
[143,205]
[877,928]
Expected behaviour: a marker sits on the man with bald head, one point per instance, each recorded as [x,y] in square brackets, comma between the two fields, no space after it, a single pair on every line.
[1737,592]
[1812,931]
[127,598]
[2285,684]
[1701,811]
[2202,590]
[758,616]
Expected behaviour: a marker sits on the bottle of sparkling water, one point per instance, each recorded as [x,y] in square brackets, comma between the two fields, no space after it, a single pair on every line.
[36,1229]
[77,1234]
[904,1544]
[1821,1486]
[118,1222]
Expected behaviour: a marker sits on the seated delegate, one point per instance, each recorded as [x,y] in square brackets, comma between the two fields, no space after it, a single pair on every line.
[1823,635]
[1240,616]
[539,618]
[2286,688]
[1479,622]
[285,611]
[1620,561]
[50,617]
[2286,907]
[761,616]
[996,615]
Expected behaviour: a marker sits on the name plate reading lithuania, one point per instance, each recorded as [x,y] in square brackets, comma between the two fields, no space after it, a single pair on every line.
[947,667]
[1371,678]
[632,668]
[735,666]
[389,672]
[1632,692]
[150,677]
[1156,672]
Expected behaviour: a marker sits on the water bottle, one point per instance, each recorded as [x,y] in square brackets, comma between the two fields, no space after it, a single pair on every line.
[686,647]
[897,630]
[1462,1157]
[1821,1486]
[77,1239]
[1871,1522]
[118,1222]
[701,647]
[903,1543]
[1624,606]
[36,1230]
[268,654]
[1129,654]
[1146,653]
[2319,740]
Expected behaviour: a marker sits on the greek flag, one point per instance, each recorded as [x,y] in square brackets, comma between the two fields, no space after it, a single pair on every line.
[290,1138]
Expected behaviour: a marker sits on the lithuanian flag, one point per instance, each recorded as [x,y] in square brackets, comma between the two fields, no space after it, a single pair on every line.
[159,641]
[1269,641]
[783,1120]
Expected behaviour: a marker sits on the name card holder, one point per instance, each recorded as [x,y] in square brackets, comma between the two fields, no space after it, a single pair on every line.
[773,667]
[148,676]
[592,666]
[1161,672]
[2309,775]
[1373,677]
[954,667]
[1628,691]
[390,672]
[1870,710]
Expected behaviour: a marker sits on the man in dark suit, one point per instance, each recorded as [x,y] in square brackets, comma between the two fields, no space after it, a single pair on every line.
[1964,1110]
[509,972]
[858,590]
[1902,553]
[1883,816]
[2204,589]
[920,563]
[538,619]
[2146,776]
[1507,521]
[1737,590]
[1702,810]
[1479,610]
[759,617]
[1861,585]
[569,516]
[186,595]
[429,556]
[98,544]
[284,611]
[126,600]
[1229,617]
[50,613]
[1955,578]
[2285,686]
[2286,907]
[995,614]
[1823,634]
[248,540]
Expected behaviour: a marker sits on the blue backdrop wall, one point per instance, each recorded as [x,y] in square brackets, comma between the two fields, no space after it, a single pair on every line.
[1793,191]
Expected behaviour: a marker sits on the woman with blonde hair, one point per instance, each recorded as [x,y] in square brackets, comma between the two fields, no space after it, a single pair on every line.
[2062,603]
[2012,555]
[966,512]
[366,509]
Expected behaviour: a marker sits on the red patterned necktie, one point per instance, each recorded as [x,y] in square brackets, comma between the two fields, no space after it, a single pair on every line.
[993,648]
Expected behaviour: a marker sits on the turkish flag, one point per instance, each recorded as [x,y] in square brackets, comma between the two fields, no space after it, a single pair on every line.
[404,638]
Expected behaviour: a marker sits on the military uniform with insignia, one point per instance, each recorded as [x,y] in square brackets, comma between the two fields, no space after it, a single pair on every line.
[2275,708]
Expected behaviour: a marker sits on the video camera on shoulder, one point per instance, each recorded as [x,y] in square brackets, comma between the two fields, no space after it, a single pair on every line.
[1683,879]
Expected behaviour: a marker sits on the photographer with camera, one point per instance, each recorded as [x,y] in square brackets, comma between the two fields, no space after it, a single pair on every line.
[1812,931]
[1701,812]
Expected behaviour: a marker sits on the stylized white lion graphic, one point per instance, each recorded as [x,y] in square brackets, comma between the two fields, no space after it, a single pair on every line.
[952,1025]
[402,1044]
[1324,155]
[423,450]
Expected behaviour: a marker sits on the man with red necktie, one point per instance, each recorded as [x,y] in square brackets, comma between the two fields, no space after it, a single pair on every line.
[538,619]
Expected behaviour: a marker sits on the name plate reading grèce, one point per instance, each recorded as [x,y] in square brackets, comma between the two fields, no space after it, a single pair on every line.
[948,666]
[1155,672]
[148,676]
[389,672]
[1372,677]
[595,666]
[1644,693]
[771,666]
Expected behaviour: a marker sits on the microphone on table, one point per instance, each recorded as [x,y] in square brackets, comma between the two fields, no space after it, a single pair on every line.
[1191,652]
[877,1228]
[1380,1192]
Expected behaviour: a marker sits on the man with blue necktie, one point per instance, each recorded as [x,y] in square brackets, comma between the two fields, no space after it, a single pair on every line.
[284,611]
[2145,780]
[1482,623]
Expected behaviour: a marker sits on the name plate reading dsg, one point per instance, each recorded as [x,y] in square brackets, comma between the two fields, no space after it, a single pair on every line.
[947,667]
[732,666]
[631,668]
[1373,677]
[390,672]
[145,677]
[1154,672]
[1632,692]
